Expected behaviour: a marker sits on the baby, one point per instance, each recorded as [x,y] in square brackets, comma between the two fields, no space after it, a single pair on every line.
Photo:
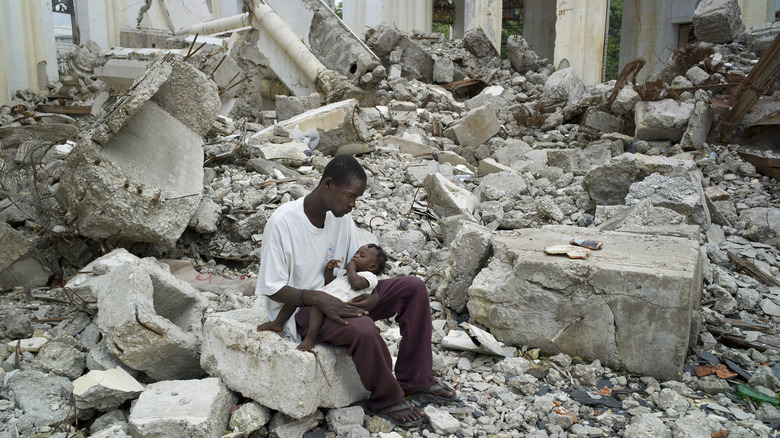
[357,278]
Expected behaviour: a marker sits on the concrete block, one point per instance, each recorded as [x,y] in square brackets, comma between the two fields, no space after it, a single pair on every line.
[640,215]
[339,127]
[61,356]
[150,320]
[443,70]
[20,263]
[401,112]
[599,152]
[138,175]
[477,42]
[469,252]
[249,417]
[625,101]
[570,160]
[717,21]
[498,95]
[598,122]
[489,165]
[270,370]
[698,128]
[415,61]
[501,186]
[445,198]
[661,120]
[609,183]
[521,57]
[762,225]
[191,408]
[474,127]
[409,146]
[760,37]
[44,398]
[633,305]
[206,216]
[563,86]
[288,107]
[105,390]
[675,193]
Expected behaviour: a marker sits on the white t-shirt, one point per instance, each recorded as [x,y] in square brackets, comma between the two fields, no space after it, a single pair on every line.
[295,252]
[341,289]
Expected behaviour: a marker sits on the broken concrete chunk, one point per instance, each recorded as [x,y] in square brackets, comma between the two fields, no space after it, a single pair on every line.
[675,193]
[474,127]
[138,175]
[662,120]
[20,263]
[500,186]
[489,165]
[562,87]
[762,225]
[339,126]
[446,198]
[478,43]
[409,146]
[288,107]
[32,345]
[443,70]
[206,216]
[269,370]
[60,356]
[717,21]
[570,160]
[609,183]
[698,127]
[598,122]
[44,398]
[414,61]
[498,95]
[469,252]
[644,323]
[150,320]
[641,215]
[249,417]
[105,390]
[521,57]
[625,101]
[191,408]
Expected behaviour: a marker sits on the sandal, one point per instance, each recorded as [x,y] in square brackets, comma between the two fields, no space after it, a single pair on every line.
[387,412]
[430,395]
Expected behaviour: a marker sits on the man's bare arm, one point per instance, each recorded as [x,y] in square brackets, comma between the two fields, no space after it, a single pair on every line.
[332,307]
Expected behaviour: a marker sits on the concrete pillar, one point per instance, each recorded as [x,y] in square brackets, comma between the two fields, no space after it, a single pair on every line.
[539,26]
[28,57]
[406,15]
[579,32]
[757,12]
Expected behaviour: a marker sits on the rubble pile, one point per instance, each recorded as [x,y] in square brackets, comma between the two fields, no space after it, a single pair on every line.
[476,164]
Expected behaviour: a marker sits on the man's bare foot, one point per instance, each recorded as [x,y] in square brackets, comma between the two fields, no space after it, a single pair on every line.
[271,326]
[306,345]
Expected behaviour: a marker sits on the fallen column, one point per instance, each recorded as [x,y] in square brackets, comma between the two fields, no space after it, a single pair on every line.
[633,305]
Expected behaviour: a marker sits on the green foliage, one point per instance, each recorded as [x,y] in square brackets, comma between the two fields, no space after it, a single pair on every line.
[339,10]
[611,64]
[441,28]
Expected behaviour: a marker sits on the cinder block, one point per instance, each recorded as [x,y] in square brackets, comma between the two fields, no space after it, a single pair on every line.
[634,305]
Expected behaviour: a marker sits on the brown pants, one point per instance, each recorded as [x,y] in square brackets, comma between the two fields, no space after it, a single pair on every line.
[407,299]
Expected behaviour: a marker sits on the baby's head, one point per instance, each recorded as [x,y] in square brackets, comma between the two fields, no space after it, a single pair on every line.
[370,257]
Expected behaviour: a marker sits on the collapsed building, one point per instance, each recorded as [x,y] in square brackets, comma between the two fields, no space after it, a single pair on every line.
[131,235]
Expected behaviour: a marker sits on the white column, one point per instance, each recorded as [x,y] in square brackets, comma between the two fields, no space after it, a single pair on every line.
[579,36]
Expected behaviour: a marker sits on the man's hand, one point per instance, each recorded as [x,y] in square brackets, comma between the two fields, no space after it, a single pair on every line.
[366,302]
[336,310]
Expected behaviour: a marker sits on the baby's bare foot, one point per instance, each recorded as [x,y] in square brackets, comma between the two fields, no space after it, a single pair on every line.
[270,326]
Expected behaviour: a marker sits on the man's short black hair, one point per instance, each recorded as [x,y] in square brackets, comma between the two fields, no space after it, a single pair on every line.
[381,258]
[342,169]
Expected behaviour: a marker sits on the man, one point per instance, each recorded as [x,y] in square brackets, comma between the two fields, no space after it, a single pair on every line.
[298,240]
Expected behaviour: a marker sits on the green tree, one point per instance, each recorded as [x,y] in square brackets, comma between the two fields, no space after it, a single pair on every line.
[613,39]
[339,10]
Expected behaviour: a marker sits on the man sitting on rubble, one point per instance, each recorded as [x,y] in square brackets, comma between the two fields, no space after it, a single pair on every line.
[299,238]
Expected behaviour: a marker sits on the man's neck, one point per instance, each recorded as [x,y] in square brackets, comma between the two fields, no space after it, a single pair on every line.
[315,209]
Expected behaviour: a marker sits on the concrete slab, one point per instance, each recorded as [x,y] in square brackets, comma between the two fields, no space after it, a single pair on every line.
[475,127]
[191,408]
[270,370]
[634,305]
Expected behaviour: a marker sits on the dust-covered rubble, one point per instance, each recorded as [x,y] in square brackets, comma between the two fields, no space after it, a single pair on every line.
[457,176]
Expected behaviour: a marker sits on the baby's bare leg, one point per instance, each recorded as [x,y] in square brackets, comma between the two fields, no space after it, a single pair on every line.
[315,323]
[278,324]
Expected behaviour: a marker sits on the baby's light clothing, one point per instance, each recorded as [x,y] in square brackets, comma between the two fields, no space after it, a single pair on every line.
[341,289]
